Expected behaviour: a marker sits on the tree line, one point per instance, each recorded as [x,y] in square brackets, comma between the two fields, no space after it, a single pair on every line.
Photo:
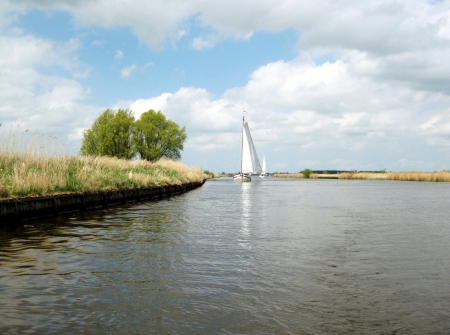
[118,134]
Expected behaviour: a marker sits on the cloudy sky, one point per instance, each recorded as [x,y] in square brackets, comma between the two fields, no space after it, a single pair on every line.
[326,84]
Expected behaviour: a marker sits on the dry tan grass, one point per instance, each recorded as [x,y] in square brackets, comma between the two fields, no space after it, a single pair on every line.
[443,176]
[288,175]
[362,175]
[27,170]
[185,173]
[323,176]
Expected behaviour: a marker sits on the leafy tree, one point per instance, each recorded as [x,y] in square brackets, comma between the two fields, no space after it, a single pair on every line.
[306,173]
[156,137]
[110,135]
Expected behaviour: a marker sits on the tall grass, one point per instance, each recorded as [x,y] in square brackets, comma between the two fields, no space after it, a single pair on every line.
[443,176]
[288,175]
[28,168]
[362,175]
[419,176]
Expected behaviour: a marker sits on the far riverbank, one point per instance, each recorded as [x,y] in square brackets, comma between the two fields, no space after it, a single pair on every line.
[443,176]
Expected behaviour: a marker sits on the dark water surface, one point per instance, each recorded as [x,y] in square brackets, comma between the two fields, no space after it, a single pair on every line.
[269,257]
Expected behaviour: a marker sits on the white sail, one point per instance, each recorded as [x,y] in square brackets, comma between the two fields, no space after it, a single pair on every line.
[250,161]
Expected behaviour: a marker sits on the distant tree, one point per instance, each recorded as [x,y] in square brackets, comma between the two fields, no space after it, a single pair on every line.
[306,173]
[156,137]
[110,135]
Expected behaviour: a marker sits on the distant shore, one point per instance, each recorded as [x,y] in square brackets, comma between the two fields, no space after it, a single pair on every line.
[443,176]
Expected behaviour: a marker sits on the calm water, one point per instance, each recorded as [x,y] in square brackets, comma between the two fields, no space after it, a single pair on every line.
[269,257]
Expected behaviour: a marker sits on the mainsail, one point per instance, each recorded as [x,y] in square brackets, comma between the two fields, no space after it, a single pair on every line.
[250,161]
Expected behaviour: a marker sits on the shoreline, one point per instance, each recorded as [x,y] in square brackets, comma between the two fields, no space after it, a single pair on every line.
[18,210]
[443,176]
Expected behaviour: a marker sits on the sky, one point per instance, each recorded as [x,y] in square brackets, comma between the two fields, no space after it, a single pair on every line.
[325,84]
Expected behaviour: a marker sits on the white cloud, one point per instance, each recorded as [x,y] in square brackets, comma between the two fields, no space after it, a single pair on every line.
[207,42]
[325,113]
[118,54]
[142,105]
[126,71]
[33,93]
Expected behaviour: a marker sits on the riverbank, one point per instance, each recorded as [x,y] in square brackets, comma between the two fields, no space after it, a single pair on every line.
[443,176]
[28,175]
[288,175]
[33,208]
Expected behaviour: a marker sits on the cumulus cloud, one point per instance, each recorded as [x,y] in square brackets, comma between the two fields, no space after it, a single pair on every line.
[323,113]
[43,101]
[400,40]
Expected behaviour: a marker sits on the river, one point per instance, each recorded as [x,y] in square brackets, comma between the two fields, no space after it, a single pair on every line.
[274,256]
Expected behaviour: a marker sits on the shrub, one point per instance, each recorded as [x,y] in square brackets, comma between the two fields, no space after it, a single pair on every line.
[306,173]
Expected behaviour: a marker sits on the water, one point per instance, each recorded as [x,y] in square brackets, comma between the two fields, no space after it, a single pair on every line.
[274,256]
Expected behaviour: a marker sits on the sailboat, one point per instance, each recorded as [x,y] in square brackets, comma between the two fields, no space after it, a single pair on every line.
[263,173]
[249,159]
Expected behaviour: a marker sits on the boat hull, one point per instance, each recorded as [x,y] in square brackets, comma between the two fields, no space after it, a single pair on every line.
[242,179]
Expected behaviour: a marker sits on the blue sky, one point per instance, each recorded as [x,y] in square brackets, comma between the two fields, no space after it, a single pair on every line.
[326,85]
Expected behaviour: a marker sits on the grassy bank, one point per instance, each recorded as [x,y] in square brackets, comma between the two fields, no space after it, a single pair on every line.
[25,175]
[28,168]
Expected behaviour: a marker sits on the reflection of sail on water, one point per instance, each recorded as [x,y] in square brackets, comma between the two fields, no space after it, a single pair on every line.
[246,210]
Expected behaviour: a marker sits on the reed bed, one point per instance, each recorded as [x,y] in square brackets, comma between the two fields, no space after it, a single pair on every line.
[362,175]
[288,175]
[443,176]
[323,176]
[28,169]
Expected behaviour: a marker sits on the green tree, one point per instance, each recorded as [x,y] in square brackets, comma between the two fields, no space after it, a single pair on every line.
[156,137]
[110,135]
[306,173]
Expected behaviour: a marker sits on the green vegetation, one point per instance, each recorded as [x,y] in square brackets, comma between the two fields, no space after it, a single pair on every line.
[209,174]
[156,137]
[110,135]
[117,134]
[306,173]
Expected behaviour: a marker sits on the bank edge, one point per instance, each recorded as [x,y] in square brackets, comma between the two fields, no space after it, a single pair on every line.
[28,209]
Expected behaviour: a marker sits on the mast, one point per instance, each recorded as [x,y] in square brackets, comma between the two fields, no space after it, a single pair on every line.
[242,143]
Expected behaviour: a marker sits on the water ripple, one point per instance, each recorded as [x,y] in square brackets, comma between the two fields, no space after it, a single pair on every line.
[269,257]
